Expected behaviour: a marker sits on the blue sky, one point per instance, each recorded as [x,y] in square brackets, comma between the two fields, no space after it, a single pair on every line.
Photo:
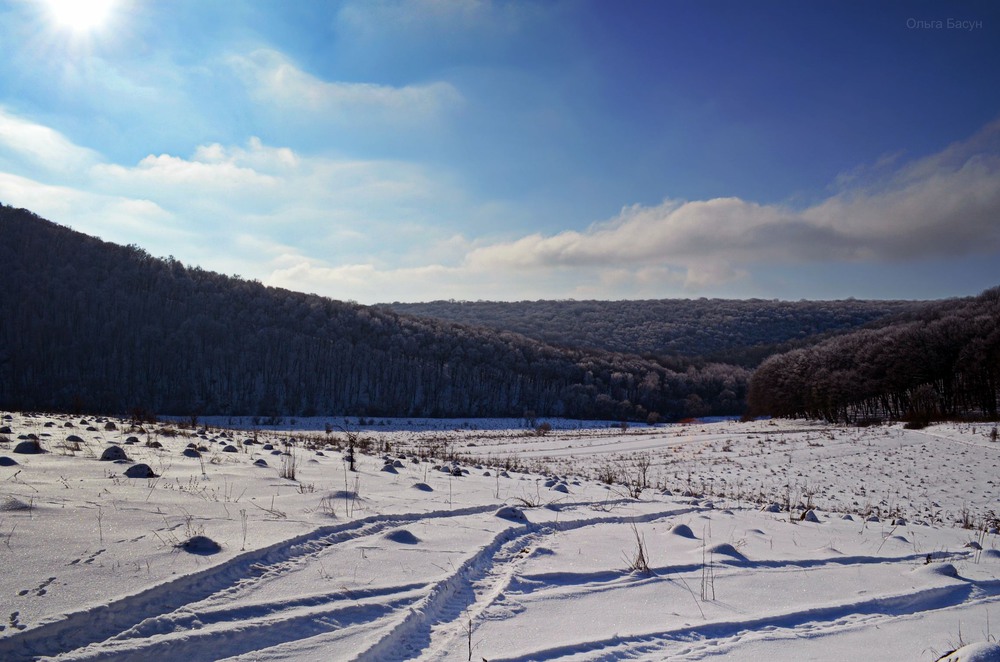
[382,151]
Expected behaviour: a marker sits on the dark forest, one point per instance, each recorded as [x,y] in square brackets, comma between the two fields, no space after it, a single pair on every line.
[91,326]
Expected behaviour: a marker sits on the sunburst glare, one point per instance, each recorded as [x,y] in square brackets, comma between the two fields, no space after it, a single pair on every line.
[80,15]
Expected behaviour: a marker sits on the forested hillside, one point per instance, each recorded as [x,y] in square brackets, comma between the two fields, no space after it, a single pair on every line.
[728,330]
[936,362]
[86,325]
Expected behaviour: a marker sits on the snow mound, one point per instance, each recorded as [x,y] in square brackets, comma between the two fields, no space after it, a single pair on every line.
[682,530]
[402,536]
[389,469]
[725,549]
[140,471]
[423,487]
[512,513]
[7,461]
[938,569]
[114,454]
[12,504]
[28,447]
[810,516]
[191,452]
[988,554]
[979,652]
[202,545]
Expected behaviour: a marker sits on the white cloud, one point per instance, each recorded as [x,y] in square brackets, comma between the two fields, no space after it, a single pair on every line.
[256,155]
[41,146]
[365,282]
[278,192]
[166,172]
[275,80]
[222,206]
[944,205]
[123,220]
[371,283]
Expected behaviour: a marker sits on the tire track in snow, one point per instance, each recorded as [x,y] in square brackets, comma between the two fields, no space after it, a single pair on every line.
[190,619]
[452,600]
[589,582]
[709,636]
[103,622]
[506,563]
[205,641]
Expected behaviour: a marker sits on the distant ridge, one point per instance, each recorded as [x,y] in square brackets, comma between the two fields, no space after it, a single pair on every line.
[730,330]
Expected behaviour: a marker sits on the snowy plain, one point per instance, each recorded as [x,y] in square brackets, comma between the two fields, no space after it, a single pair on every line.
[482,540]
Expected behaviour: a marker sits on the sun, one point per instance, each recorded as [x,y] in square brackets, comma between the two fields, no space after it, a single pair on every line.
[80,15]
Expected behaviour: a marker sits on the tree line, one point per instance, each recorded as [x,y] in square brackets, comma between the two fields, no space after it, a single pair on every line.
[939,361]
[87,325]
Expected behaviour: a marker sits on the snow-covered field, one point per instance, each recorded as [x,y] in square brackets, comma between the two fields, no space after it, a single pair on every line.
[482,540]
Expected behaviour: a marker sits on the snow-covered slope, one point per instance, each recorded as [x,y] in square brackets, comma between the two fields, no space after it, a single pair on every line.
[481,540]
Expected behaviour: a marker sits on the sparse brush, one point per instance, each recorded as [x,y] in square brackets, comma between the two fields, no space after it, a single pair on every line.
[707,575]
[607,474]
[272,511]
[289,464]
[8,537]
[328,506]
[528,501]
[243,522]
[638,561]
